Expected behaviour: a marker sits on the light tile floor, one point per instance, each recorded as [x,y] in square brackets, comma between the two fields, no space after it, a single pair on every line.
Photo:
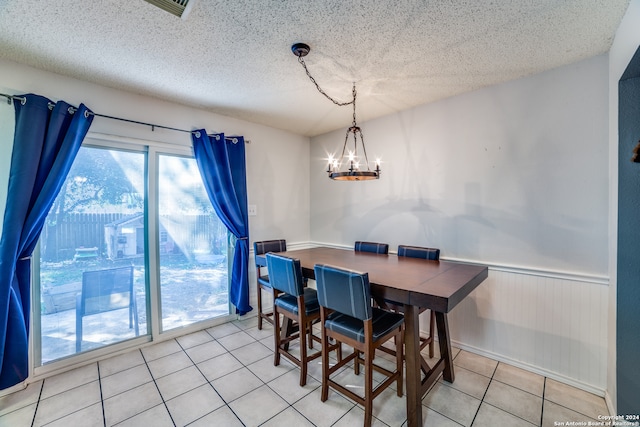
[224,376]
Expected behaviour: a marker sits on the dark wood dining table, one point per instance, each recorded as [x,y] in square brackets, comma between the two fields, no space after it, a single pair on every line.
[415,283]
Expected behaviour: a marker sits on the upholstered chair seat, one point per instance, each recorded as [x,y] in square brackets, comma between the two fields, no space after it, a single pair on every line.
[290,303]
[385,322]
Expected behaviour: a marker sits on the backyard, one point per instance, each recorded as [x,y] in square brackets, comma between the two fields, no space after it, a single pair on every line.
[97,232]
[191,290]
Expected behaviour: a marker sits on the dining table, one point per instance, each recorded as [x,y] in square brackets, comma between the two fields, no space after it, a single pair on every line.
[416,284]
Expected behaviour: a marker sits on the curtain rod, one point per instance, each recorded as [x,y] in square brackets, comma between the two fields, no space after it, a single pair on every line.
[153,126]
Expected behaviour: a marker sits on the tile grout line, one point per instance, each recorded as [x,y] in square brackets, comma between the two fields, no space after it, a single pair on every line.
[104,418]
[485,392]
[289,405]
[195,365]
[517,388]
[565,406]
[544,389]
[62,392]
[433,386]
[270,387]
[33,420]
[157,388]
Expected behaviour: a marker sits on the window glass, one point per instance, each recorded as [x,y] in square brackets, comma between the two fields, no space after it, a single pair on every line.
[92,264]
[192,247]
[96,253]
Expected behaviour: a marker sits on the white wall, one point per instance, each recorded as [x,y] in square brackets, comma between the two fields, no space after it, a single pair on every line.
[514,176]
[624,46]
[277,161]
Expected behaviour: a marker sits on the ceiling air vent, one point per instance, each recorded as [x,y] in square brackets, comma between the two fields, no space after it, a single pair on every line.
[180,8]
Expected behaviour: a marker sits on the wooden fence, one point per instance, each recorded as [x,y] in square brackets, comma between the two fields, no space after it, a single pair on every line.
[59,241]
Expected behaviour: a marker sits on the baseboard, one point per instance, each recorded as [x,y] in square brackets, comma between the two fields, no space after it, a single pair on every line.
[610,406]
[13,389]
[531,368]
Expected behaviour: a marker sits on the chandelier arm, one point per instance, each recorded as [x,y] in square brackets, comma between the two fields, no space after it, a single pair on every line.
[340,104]
[344,146]
[364,149]
[355,141]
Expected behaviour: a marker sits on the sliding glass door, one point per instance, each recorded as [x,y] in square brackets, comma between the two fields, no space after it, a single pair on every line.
[92,255]
[192,246]
[119,261]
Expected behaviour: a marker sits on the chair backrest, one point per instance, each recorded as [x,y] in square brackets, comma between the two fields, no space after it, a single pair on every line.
[285,274]
[265,246]
[106,290]
[419,252]
[345,291]
[376,248]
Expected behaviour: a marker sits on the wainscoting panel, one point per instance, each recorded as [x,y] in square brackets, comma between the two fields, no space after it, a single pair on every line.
[550,324]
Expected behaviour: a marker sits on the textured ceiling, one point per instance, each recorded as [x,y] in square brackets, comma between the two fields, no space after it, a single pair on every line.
[234,58]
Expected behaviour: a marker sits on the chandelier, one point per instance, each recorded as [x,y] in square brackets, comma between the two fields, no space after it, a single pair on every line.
[348,166]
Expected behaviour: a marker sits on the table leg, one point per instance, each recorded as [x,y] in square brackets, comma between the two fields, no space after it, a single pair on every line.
[445,346]
[412,359]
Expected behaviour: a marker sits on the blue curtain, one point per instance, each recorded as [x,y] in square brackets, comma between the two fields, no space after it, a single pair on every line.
[224,172]
[45,144]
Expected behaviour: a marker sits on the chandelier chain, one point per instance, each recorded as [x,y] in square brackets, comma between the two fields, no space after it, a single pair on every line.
[354,104]
[341,104]
[353,172]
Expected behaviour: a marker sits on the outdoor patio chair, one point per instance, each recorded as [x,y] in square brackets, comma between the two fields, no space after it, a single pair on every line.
[106,290]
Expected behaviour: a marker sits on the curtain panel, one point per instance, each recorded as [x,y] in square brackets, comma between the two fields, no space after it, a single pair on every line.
[222,165]
[46,140]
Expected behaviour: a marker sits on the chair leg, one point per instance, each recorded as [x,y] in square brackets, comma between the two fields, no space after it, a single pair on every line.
[259,307]
[325,366]
[368,387]
[310,335]
[276,336]
[399,359]
[133,312]
[303,352]
[432,322]
[78,333]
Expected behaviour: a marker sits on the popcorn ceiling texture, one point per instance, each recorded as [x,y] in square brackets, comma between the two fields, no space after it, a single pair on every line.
[234,58]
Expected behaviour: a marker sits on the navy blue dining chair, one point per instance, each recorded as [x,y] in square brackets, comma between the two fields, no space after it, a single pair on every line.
[431,254]
[347,316]
[373,247]
[296,303]
[262,280]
